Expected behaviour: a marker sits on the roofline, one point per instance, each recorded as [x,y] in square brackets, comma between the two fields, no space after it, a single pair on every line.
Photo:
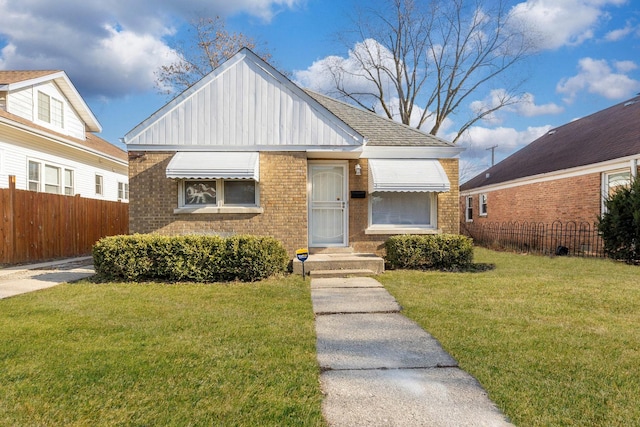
[410,151]
[68,89]
[561,174]
[378,116]
[64,141]
[239,56]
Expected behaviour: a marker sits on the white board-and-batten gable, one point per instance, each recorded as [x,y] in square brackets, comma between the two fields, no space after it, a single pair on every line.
[245,104]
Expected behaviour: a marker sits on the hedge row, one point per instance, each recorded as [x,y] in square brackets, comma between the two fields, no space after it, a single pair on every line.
[422,252]
[188,258]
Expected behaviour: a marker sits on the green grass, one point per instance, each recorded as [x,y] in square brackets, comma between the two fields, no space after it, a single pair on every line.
[157,354]
[555,341]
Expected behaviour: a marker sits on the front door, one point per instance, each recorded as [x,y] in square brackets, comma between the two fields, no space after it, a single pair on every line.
[328,212]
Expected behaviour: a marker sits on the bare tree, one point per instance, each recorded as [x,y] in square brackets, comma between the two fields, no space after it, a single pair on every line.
[433,55]
[209,45]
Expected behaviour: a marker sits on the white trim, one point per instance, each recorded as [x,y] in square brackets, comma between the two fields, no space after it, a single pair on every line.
[220,210]
[376,230]
[482,212]
[409,152]
[619,163]
[63,141]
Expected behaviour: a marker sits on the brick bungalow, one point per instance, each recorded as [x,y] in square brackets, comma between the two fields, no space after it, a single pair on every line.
[565,175]
[245,150]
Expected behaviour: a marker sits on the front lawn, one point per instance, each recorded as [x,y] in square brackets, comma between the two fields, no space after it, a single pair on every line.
[555,341]
[157,354]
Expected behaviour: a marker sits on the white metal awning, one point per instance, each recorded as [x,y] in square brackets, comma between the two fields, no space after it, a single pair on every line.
[407,175]
[215,165]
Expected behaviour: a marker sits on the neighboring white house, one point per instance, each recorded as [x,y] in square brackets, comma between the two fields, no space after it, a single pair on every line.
[47,139]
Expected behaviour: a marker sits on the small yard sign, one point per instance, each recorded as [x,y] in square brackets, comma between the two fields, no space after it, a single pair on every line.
[302,255]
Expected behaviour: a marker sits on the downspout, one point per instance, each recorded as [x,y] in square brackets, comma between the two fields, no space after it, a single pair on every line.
[634,169]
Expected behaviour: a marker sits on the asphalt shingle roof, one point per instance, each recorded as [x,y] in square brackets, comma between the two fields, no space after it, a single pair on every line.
[606,135]
[15,76]
[378,130]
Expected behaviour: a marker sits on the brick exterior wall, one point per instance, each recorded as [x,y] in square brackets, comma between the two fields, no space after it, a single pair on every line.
[359,214]
[283,196]
[568,199]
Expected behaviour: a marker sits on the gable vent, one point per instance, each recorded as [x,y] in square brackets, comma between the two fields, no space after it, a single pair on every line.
[626,104]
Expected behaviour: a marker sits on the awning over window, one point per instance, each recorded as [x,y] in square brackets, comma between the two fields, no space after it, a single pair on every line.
[214,165]
[407,175]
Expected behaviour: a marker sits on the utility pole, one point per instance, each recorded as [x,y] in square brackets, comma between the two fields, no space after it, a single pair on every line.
[493,152]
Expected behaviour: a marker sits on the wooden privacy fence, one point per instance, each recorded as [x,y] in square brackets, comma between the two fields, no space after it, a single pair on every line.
[39,226]
[558,238]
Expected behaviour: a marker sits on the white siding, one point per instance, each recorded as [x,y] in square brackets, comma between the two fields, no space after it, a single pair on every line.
[245,106]
[24,103]
[14,160]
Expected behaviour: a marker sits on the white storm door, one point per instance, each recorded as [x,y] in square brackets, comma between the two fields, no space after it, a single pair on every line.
[328,205]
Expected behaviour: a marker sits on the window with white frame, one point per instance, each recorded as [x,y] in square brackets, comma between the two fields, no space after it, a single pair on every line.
[50,110]
[217,193]
[468,209]
[403,209]
[482,211]
[52,181]
[34,175]
[99,185]
[69,186]
[612,182]
[49,178]
[123,191]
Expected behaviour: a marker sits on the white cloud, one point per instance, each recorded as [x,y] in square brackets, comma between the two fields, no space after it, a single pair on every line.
[562,22]
[109,49]
[620,33]
[524,106]
[478,142]
[319,77]
[598,77]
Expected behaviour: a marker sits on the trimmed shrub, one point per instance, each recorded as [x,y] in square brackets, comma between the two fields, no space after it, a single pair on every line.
[620,225]
[195,258]
[433,251]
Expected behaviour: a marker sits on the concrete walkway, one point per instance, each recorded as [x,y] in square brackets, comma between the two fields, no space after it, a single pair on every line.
[381,369]
[27,278]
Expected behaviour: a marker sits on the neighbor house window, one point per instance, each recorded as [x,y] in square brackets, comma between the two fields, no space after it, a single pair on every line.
[483,205]
[50,110]
[34,176]
[49,178]
[612,182]
[52,179]
[99,185]
[217,192]
[403,209]
[123,191]
[468,211]
[68,182]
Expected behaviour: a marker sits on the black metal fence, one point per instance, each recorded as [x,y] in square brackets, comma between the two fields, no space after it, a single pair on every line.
[558,238]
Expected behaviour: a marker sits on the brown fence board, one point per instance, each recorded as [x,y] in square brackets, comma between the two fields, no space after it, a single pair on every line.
[39,226]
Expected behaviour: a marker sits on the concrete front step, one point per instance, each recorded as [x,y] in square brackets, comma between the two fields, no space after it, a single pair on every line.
[355,272]
[340,261]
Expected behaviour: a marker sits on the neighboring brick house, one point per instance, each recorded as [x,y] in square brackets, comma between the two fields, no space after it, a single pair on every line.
[564,176]
[245,150]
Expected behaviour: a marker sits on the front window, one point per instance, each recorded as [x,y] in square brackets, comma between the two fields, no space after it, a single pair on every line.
[483,205]
[218,192]
[468,212]
[402,209]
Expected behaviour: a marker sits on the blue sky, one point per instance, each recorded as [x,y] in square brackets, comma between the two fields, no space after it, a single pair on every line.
[589,56]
